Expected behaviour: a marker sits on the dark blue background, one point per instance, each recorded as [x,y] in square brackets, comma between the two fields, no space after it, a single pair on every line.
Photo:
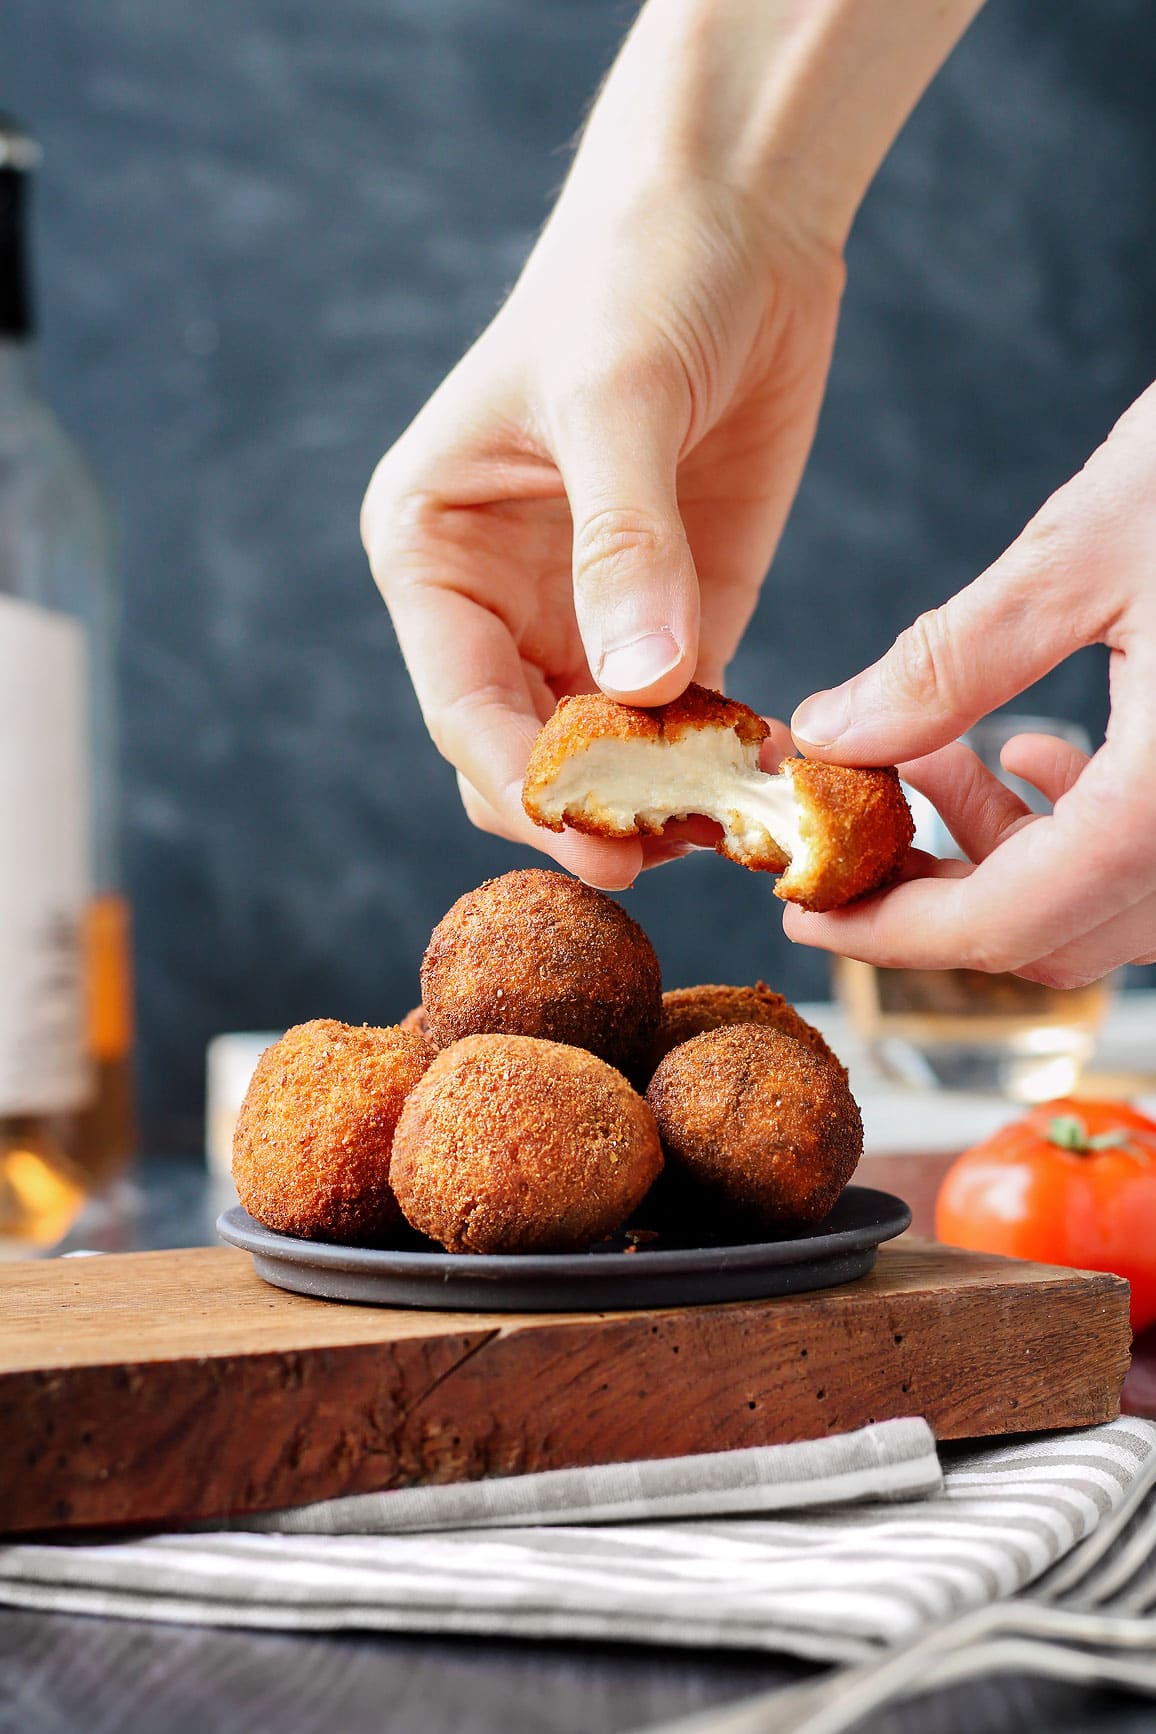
[267,227]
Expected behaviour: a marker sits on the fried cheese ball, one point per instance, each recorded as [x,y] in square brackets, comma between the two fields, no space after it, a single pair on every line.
[510,1144]
[756,1126]
[536,953]
[617,770]
[311,1152]
[415,1019]
[690,1011]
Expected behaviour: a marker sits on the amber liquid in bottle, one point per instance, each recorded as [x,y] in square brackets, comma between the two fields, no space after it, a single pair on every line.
[66,1116]
[104,1137]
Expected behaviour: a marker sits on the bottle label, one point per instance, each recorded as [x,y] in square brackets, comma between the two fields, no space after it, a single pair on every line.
[44,860]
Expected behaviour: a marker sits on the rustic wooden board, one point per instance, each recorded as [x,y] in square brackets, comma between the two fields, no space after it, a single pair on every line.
[150,1387]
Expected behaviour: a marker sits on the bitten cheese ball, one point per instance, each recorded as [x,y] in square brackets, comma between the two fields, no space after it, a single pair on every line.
[833,832]
[536,953]
[311,1152]
[510,1144]
[691,1011]
[756,1126]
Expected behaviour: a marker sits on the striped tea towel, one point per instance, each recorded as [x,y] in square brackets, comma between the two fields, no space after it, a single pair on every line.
[831,1549]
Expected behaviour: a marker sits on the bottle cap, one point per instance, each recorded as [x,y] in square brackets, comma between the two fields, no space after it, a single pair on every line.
[19,154]
[18,149]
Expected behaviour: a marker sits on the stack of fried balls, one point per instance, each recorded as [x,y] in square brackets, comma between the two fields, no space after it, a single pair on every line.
[541,1090]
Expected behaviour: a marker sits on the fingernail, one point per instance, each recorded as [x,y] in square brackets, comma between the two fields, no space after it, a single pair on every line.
[822,719]
[637,663]
[606,890]
[669,852]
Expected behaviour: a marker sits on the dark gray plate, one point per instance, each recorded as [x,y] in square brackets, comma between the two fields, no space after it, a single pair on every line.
[839,1249]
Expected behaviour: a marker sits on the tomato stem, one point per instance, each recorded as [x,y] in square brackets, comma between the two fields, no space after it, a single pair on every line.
[1069,1132]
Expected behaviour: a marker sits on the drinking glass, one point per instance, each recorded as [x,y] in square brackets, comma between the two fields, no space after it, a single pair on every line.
[965,1029]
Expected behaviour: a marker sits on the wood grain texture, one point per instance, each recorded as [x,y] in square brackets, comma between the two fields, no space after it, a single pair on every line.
[149,1387]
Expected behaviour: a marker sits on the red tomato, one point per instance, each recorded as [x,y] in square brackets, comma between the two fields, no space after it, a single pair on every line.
[1072,1183]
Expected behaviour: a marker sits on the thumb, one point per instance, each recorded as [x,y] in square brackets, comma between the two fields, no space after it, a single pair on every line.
[636,594]
[1038,603]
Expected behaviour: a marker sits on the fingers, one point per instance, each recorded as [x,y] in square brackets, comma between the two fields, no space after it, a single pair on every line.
[978,809]
[952,666]
[1065,896]
[636,593]
[1127,938]
[608,864]
[910,935]
[477,701]
[1049,764]
[611,865]
[1047,884]
[1054,590]
[1043,890]
[777,746]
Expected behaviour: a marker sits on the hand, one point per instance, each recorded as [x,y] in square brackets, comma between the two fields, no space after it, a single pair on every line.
[1060,899]
[594,495]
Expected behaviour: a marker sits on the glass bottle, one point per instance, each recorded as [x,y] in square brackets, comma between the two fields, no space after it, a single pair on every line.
[66,1119]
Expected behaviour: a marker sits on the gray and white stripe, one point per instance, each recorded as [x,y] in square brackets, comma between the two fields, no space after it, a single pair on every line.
[834,1549]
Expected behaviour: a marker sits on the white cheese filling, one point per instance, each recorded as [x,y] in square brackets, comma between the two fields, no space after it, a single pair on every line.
[706,771]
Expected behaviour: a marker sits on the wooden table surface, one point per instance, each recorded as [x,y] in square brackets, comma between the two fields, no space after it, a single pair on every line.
[66,1675]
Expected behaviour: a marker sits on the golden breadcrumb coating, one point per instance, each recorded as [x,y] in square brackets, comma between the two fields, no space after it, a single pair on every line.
[691,1011]
[592,716]
[616,770]
[756,1125]
[510,1144]
[311,1151]
[415,1019]
[860,828]
[536,953]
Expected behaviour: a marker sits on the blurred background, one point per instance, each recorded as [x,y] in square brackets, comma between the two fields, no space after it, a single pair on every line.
[264,229]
